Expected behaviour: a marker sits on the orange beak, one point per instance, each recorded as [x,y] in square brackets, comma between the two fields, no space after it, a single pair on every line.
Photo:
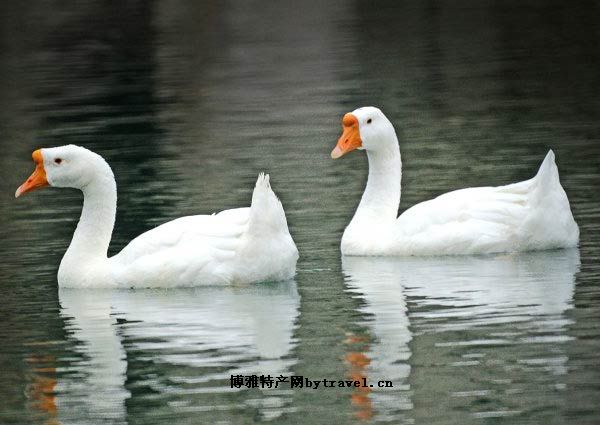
[37,179]
[350,138]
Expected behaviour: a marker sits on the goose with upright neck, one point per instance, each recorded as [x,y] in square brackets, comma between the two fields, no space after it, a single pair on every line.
[530,215]
[243,245]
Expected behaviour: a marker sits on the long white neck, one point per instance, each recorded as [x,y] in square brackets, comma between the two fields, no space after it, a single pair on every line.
[89,246]
[97,220]
[381,198]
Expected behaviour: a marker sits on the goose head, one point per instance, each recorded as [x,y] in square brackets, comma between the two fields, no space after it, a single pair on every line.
[64,166]
[365,128]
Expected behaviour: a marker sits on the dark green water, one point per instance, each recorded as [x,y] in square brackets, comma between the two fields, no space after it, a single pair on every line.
[189,101]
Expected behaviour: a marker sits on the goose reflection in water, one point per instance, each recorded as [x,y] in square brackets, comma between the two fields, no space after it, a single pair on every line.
[479,306]
[193,339]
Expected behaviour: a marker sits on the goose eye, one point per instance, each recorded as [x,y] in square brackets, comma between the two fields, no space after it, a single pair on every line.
[369,121]
[58,160]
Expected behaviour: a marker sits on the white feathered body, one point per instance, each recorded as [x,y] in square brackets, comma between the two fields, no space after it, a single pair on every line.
[240,245]
[525,216]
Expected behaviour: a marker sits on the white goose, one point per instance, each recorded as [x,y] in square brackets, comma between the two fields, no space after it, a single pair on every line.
[529,215]
[243,245]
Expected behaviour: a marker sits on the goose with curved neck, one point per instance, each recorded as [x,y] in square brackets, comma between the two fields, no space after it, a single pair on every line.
[531,215]
[243,245]
[89,246]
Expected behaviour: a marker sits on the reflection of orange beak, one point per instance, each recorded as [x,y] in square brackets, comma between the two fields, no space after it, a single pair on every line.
[37,179]
[350,138]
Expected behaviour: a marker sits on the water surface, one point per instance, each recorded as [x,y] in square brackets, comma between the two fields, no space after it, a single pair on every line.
[189,101]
